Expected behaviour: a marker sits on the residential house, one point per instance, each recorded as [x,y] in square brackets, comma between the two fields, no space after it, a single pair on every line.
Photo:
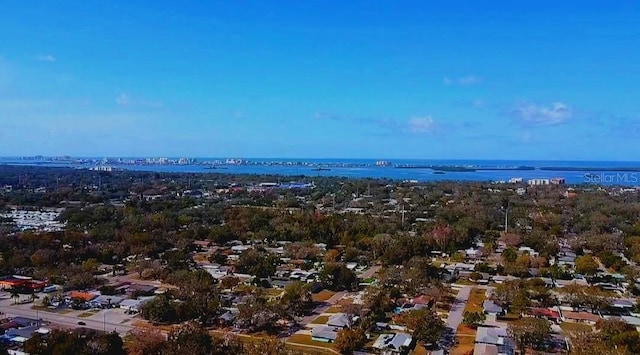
[544,313]
[394,344]
[324,334]
[485,349]
[632,321]
[489,307]
[497,337]
[341,320]
[135,305]
[580,317]
[486,335]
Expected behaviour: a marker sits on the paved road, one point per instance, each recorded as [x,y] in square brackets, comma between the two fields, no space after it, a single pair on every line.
[68,321]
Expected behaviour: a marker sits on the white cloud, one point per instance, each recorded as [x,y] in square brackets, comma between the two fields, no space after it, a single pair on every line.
[46,58]
[421,124]
[544,115]
[123,100]
[462,81]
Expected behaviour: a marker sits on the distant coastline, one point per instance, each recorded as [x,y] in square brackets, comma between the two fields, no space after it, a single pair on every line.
[574,172]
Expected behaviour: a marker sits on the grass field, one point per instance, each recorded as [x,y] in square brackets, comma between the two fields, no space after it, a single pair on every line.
[86,314]
[466,330]
[575,327]
[476,298]
[305,339]
[334,309]
[320,320]
[464,346]
[323,295]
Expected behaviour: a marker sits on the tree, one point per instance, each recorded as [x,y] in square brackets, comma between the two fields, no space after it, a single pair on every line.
[586,264]
[530,332]
[160,310]
[589,343]
[190,338]
[227,344]
[337,277]
[259,264]
[332,256]
[509,255]
[147,341]
[297,298]
[106,344]
[426,325]
[266,346]
[473,319]
[618,334]
[378,302]
[350,340]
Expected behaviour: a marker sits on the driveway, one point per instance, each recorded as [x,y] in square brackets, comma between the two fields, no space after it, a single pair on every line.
[455,317]
[457,308]
[370,272]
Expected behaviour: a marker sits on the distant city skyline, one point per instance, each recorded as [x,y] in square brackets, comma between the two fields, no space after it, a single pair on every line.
[321,79]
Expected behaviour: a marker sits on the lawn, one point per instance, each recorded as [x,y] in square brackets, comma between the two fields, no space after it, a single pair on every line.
[320,320]
[345,301]
[575,327]
[476,298]
[305,339]
[466,330]
[334,309]
[88,314]
[323,295]
[464,346]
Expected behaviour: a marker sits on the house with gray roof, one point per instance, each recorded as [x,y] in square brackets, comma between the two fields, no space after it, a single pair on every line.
[394,344]
[490,307]
[324,334]
[341,320]
[485,349]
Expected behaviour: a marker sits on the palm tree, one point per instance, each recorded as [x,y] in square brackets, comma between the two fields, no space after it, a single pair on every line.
[45,301]
[15,296]
[33,296]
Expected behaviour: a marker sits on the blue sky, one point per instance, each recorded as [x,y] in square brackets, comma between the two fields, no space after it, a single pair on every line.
[367,79]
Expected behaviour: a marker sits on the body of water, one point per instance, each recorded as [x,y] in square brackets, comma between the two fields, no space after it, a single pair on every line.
[574,172]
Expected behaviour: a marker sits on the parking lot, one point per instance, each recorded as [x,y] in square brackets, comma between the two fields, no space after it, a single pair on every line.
[63,315]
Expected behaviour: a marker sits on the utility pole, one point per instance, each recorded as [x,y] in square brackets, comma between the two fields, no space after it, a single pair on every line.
[506,218]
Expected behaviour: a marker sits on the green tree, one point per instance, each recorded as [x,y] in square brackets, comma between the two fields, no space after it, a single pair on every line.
[146,341]
[190,338]
[297,298]
[473,319]
[586,264]
[509,255]
[337,277]
[378,302]
[426,325]
[529,332]
[350,340]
